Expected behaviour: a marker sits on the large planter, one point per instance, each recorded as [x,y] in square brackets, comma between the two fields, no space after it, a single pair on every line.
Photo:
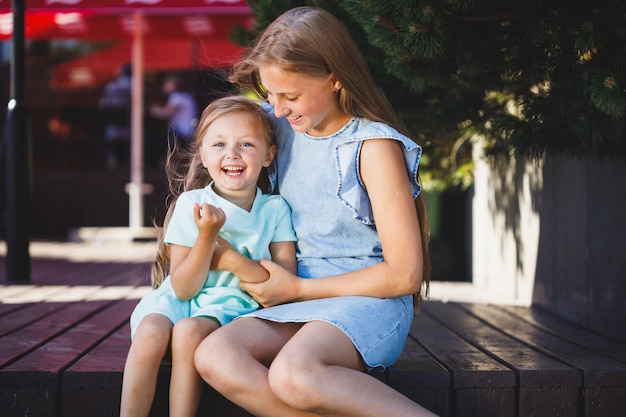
[553,234]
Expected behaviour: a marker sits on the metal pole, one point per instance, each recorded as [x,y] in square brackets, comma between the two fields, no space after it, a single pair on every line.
[135,189]
[18,212]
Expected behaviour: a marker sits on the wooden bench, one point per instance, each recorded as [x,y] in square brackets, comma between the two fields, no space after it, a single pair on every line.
[509,361]
[65,357]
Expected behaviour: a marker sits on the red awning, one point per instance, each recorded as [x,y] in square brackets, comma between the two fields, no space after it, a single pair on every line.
[214,7]
[95,69]
[177,34]
[105,25]
[90,26]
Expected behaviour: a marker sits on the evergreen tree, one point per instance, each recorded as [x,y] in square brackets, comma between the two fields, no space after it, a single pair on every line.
[531,76]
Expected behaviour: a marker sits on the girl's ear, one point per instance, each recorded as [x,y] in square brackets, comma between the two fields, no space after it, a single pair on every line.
[202,156]
[335,83]
[269,156]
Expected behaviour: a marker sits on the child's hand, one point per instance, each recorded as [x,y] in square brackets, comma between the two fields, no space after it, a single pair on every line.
[209,219]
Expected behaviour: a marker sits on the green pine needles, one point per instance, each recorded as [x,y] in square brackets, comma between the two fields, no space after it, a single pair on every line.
[530,76]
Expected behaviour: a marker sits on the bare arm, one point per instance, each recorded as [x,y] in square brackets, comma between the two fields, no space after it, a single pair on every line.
[249,270]
[383,172]
[189,267]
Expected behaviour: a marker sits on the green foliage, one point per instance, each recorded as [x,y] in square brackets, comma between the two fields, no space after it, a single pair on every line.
[532,77]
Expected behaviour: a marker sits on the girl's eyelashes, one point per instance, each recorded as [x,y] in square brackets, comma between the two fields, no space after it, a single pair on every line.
[287,97]
[242,145]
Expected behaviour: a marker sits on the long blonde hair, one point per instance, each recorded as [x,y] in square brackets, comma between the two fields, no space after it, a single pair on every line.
[184,169]
[313,42]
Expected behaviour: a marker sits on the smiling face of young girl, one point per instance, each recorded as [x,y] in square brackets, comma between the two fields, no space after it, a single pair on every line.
[309,104]
[234,149]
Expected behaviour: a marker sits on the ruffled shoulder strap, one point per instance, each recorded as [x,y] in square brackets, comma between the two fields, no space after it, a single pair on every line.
[351,190]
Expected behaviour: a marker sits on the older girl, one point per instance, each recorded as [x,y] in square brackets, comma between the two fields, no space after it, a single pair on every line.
[349,173]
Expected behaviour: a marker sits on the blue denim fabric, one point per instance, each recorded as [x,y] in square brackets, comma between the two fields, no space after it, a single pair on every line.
[336,230]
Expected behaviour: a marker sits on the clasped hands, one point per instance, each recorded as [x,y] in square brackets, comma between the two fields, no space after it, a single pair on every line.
[281,286]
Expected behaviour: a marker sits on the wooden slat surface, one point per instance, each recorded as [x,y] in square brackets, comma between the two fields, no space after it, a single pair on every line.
[65,336]
[78,296]
[546,386]
[568,331]
[603,378]
[480,385]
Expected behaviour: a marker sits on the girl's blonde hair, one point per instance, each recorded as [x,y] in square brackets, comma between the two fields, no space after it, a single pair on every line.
[313,42]
[184,169]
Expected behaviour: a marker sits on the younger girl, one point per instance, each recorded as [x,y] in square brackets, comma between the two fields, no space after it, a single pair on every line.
[220,203]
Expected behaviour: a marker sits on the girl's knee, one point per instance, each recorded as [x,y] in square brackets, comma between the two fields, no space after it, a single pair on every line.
[154,328]
[210,355]
[151,339]
[188,328]
[188,333]
[218,361]
[296,381]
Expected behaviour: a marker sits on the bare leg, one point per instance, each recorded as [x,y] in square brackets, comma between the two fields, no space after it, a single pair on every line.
[316,371]
[149,346]
[234,359]
[319,370]
[185,384]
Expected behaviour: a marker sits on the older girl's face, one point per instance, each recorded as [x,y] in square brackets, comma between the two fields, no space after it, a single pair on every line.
[309,104]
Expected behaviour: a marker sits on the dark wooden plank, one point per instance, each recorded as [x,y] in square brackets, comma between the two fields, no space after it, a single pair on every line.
[93,273]
[598,369]
[604,377]
[10,308]
[92,386]
[419,376]
[480,385]
[96,378]
[570,331]
[29,338]
[103,365]
[66,348]
[37,375]
[45,271]
[546,386]
[26,391]
[19,318]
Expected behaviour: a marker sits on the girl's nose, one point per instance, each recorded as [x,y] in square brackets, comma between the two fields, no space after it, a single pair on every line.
[232,153]
[280,110]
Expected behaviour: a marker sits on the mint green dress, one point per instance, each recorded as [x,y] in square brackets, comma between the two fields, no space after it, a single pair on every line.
[250,232]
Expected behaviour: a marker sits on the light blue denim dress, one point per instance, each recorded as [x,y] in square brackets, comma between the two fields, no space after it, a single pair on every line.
[336,232]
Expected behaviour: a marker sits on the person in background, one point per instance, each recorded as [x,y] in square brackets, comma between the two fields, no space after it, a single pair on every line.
[216,199]
[348,170]
[116,103]
[180,110]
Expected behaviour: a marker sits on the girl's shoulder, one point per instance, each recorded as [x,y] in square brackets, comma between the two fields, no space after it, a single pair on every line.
[274,200]
[363,129]
[196,193]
